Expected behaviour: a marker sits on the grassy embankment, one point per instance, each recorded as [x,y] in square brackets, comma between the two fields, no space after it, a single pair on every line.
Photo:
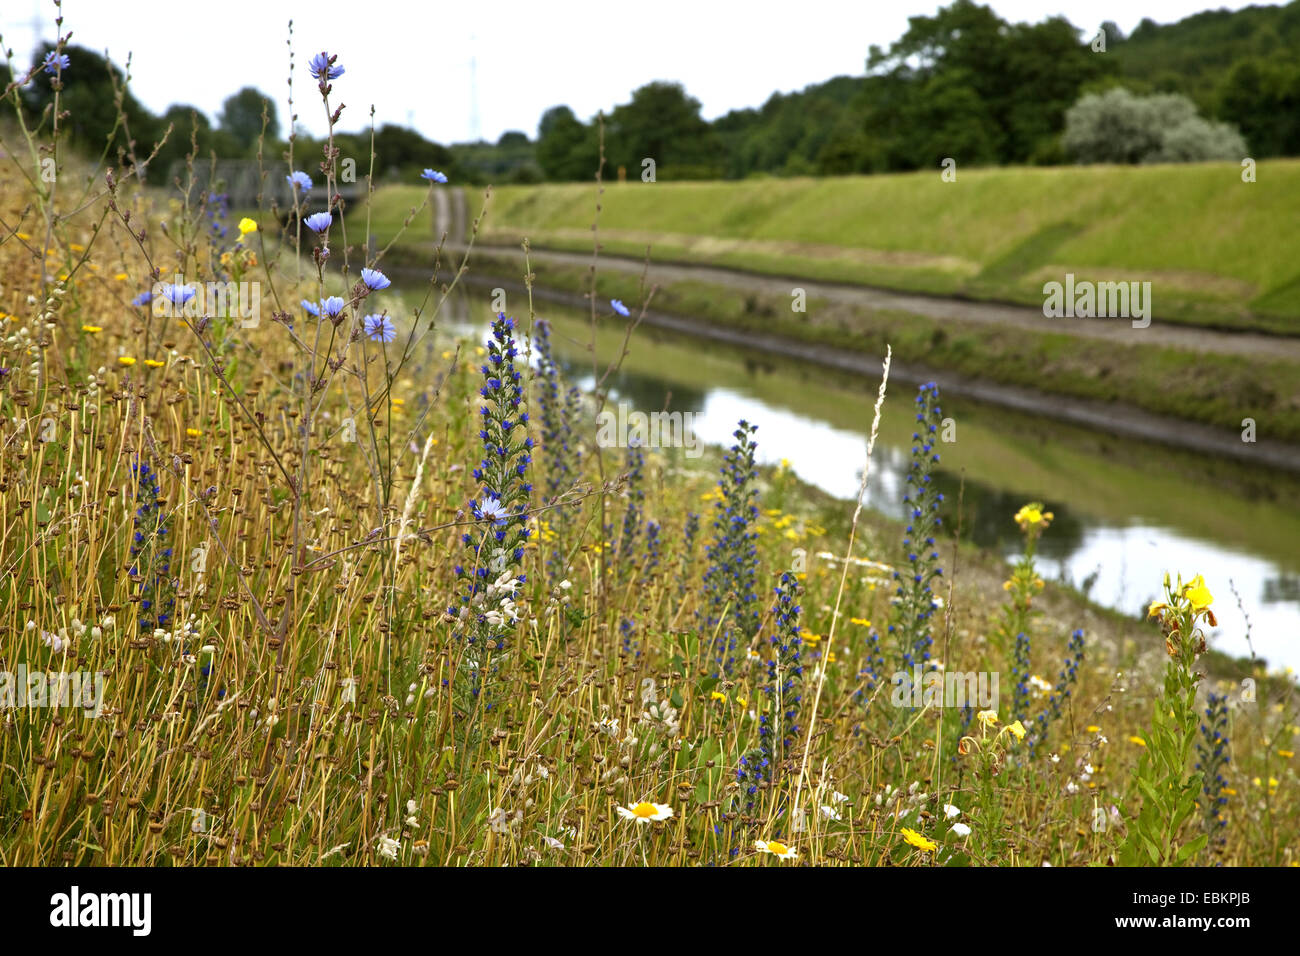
[1212,246]
[1213,253]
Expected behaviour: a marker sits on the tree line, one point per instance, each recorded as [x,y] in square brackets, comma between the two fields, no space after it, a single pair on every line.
[962,83]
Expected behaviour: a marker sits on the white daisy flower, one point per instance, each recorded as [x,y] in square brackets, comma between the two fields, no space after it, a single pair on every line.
[645,812]
[776,848]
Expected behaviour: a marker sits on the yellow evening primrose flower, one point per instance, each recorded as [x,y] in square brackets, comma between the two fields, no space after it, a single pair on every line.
[1017,730]
[921,843]
[776,848]
[92,329]
[987,717]
[1137,740]
[1197,594]
[1029,515]
[717,696]
[125,360]
[246,226]
[645,812]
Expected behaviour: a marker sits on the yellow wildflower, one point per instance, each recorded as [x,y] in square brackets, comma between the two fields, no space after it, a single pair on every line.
[125,360]
[246,226]
[921,843]
[92,329]
[1197,594]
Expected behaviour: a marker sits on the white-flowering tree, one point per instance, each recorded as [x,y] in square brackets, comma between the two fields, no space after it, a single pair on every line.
[1119,127]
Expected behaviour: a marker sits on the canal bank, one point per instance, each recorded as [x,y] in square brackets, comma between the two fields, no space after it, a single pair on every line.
[1127,510]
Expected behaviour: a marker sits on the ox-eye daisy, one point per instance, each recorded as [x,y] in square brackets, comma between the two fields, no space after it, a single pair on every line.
[645,812]
[776,848]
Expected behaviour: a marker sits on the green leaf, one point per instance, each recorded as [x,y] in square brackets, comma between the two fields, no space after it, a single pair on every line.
[1191,849]
[1152,850]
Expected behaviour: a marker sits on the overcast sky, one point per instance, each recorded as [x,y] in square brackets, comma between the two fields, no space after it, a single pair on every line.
[414,60]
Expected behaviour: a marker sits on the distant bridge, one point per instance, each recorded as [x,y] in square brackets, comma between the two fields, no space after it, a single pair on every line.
[242,180]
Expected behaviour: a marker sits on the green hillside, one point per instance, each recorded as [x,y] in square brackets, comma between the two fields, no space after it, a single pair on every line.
[1214,248]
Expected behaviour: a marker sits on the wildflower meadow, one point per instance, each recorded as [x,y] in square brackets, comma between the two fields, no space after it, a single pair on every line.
[300,569]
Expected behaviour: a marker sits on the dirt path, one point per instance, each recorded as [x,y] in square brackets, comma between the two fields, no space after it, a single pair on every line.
[1120,331]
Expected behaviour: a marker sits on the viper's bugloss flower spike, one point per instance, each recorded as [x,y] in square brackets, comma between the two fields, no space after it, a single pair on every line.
[490,574]
[915,603]
[1212,759]
[731,606]
[634,468]
[1060,693]
[559,412]
[150,552]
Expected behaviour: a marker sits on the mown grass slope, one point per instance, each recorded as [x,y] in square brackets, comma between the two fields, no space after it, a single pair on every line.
[1212,245]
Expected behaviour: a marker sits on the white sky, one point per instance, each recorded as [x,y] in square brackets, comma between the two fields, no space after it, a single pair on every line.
[412,59]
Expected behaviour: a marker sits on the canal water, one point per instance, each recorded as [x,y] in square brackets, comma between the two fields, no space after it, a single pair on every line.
[1126,511]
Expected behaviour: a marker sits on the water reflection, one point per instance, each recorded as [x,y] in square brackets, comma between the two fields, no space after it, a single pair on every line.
[1125,512]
